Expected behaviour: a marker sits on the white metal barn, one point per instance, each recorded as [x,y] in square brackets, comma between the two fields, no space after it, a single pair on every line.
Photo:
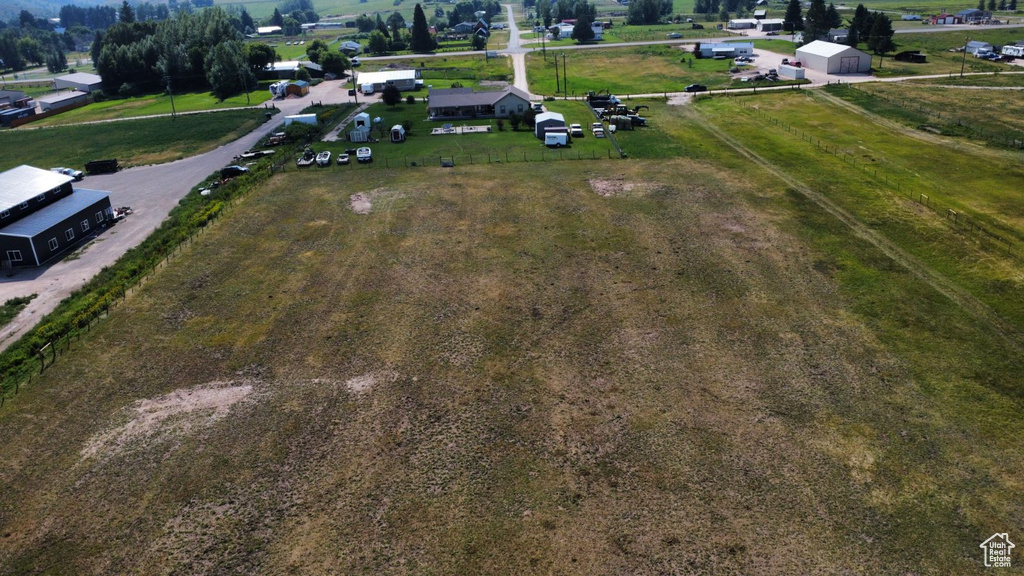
[833,58]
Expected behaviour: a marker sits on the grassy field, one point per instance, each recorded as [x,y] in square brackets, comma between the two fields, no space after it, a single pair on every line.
[663,69]
[132,142]
[441,72]
[497,146]
[1009,79]
[937,47]
[154,104]
[12,307]
[584,368]
[988,115]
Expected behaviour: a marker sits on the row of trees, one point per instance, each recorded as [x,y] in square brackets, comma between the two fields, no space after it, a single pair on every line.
[185,52]
[1003,5]
[31,41]
[649,11]
[875,28]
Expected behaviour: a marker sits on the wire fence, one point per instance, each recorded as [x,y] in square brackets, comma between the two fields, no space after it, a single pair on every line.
[1005,137]
[985,237]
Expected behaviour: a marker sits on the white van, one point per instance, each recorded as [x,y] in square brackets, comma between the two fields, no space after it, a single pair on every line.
[367,88]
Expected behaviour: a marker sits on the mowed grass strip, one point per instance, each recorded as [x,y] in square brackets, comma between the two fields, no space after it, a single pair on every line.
[154,105]
[499,371]
[132,142]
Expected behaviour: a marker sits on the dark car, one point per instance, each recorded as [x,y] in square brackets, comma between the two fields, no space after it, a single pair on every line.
[352,92]
[696,88]
[233,171]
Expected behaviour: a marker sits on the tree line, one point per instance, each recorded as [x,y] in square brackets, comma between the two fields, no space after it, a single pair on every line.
[874,28]
[29,41]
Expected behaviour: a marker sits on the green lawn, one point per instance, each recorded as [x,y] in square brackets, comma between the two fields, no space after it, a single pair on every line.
[144,141]
[497,146]
[651,69]
[441,72]
[777,46]
[154,104]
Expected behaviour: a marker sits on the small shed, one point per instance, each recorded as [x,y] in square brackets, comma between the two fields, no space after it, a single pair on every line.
[760,14]
[297,88]
[838,35]
[78,81]
[360,128]
[912,56]
[397,133]
[770,24]
[300,118]
[742,24]
[547,120]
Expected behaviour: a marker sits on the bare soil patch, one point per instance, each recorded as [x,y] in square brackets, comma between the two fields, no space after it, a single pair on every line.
[170,415]
[611,186]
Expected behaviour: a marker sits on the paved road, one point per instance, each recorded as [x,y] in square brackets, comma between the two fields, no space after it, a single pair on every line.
[152,191]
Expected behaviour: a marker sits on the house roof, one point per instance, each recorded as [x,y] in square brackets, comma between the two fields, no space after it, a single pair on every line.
[978,44]
[826,49]
[385,76]
[24,183]
[760,12]
[838,32]
[545,116]
[60,97]
[301,83]
[454,97]
[12,94]
[268,29]
[81,78]
[52,214]
[970,12]
[293,65]
[772,21]
[726,45]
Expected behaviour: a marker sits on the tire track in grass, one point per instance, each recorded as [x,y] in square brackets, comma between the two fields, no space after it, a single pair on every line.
[939,282]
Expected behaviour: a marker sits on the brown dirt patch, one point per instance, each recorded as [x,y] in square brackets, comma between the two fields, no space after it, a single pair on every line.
[170,415]
[361,203]
[611,186]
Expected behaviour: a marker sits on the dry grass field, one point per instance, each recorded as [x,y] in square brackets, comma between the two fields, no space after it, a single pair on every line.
[673,365]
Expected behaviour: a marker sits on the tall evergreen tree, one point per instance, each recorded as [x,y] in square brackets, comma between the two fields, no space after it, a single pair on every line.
[816,21]
[1012,5]
[794,19]
[382,27]
[834,19]
[247,22]
[860,24]
[277,19]
[127,15]
[97,44]
[880,40]
[421,41]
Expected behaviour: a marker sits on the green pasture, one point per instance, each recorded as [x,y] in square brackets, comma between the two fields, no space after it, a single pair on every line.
[132,142]
[442,72]
[154,104]
[644,69]
[941,60]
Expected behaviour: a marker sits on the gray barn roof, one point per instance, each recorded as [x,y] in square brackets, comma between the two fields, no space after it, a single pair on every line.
[24,183]
[81,78]
[453,97]
[44,219]
[60,97]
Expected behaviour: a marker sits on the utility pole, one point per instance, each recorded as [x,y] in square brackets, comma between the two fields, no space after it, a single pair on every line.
[565,77]
[543,44]
[241,78]
[963,63]
[557,88]
[355,91]
[174,114]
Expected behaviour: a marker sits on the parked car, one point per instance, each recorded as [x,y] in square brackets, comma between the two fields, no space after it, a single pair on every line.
[696,88]
[323,158]
[364,155]
[76,174]
[351,91]
[785,60]
[697,26]
[538,107]
[772,33]
[598,132]
[233,171]
[576,131]
[674,35]
[355,61]
[342,158]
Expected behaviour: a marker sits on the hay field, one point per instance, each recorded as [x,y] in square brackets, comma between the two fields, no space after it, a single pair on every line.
[633,367]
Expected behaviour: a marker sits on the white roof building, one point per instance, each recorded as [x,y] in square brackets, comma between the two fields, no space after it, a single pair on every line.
[78,81]
[833,58]
[264,30]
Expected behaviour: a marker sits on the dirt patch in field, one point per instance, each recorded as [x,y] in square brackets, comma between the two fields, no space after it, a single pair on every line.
[361,203]
[611,186]
[170,415]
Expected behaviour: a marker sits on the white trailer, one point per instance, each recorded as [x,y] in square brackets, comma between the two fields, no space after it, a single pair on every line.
[1015,51]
